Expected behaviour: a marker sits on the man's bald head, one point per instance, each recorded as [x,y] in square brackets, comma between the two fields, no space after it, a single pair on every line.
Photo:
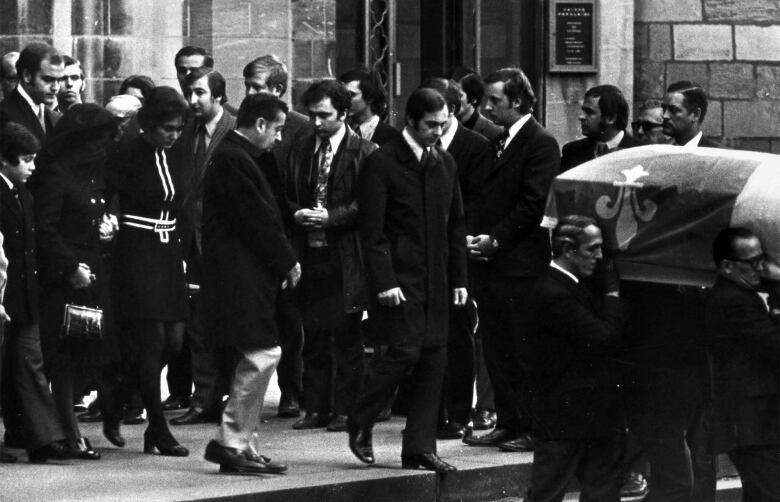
[8,76]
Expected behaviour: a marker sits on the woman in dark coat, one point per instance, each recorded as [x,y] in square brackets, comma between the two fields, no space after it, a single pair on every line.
[148,286]
[70,209]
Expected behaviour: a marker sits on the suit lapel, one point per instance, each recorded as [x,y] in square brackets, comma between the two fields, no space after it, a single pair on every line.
[344,155]
[9,204]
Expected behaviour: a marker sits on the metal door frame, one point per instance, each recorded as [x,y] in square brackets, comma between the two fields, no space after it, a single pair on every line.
[379,44]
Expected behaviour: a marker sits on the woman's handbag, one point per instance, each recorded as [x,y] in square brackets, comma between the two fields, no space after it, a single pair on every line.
[81,324]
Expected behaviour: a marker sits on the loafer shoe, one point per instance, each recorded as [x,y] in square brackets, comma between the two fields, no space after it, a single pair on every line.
[523,443]
[311,421]
[360,442]
[337,424]
[289,407]
[427,461]
[453,430]
[193,416]
[492,438]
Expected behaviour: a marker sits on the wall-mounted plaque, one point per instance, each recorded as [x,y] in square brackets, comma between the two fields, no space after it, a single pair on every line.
[573,36]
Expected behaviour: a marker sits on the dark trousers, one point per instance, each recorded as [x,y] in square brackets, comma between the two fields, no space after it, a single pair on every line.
[759,471]
[427,366]
[290,369]
[501,329]
[485,399]
[594,462]
[459,378]
[179,376]
[210,372]
[333,366]
[28,406]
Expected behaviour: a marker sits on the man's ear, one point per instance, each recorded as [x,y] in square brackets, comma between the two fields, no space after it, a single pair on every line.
[609,119]
[278,89]
[26,76]
[261,124]
[697,114]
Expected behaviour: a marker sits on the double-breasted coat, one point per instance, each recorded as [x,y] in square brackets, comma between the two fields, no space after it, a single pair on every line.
[412,231]
[246,253]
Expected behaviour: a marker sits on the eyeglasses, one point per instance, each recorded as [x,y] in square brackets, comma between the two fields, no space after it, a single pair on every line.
[645,125]
[754,262]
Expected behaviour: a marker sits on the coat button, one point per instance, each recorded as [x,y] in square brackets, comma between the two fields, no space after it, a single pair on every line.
[92,200]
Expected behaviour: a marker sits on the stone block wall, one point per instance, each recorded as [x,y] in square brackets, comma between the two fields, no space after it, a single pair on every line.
[730,47]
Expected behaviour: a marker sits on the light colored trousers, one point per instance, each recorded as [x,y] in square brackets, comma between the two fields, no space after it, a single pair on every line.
[241,417]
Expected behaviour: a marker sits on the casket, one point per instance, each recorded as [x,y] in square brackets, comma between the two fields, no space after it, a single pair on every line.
[661,206]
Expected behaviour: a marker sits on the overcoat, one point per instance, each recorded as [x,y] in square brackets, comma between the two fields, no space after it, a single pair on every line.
[575,373]
[18,228]
[486,128]
[582,150]
[246,253]
[342,206]
[745,343]
[14,108]
[472,154]
[413,234]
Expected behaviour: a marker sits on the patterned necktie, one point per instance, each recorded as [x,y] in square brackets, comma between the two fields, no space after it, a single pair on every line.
[325,158]
[501,143]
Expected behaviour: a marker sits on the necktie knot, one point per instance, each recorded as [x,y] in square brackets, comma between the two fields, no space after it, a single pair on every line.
[502,138]
[601,149]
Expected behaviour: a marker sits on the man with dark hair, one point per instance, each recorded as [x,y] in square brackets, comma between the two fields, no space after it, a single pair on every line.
[29,413]
[369,103]
[413,236]
[745,343]
[246,258]
[684,108]
[321,186]
[648,126]
[511,246]
[471,153]
[73,85]
[603,121]
[40,68]
[472,92]
[574,375]
[199,140]
[268,74]
[8,76]
[187,59]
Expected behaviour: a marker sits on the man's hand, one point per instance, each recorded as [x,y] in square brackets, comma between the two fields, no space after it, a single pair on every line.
[292,277]
[459,296]
[312,218]
[610,279]
[391,297]
[4,317]
[481,247]
[82,277]
[108,227]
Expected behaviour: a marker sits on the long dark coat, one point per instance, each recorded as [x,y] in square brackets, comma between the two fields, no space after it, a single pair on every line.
[14,108]
[575,375]
[746,343]
[246,253]
[472,154]
[413,235]
[18,228]
[342,207]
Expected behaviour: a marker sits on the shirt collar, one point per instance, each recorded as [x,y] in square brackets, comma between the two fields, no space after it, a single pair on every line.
[417,150]
[36,107]
[615,142]
[446,138]
[558,267]
[368,127]
[695,140]
[7,181]
[515,128]
[335,140]
[211,125]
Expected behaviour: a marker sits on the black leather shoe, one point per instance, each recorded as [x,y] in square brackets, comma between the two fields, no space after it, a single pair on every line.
[337,424]
[90,416]
[385,414]
[194,416]
[288,407]
[164,443]
[83,450]
[55,450]
[12,440]
[483,419]
[634,485]
[176,402]
[427,461]
[233,461]
[7,458]
[453,430]
[360,442]
[492,438]
[111,432]
[311,421]
[133,416]
[523,443]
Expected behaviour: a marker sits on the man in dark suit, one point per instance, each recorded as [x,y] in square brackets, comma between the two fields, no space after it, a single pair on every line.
[322,185]
[28,407]
[413,235]
[268,74]
[40,68]
[511,245]
[603,121]
[471,96]
[684,108]
[198,142]
[471,153]
[574,375]
[9,78]
[745,342]
[247,259]
[369,105]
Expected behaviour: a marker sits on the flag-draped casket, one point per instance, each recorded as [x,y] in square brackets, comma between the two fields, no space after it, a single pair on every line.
[661,206]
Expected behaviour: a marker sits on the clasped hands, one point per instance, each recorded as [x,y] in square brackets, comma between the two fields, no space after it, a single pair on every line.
[312,218]
[480,247]
[394,297]
[82,277]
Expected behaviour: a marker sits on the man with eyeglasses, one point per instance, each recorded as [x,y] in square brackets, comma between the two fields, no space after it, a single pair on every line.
[603,121]
[745,342]
[648,126]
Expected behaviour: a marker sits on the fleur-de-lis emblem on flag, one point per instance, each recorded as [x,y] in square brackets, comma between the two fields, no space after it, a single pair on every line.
[626,207]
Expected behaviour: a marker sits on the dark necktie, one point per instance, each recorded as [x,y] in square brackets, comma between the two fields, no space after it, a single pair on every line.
[601,149]
[501,143]
[200,146]
[425,158]
[358,131]
[15,193]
